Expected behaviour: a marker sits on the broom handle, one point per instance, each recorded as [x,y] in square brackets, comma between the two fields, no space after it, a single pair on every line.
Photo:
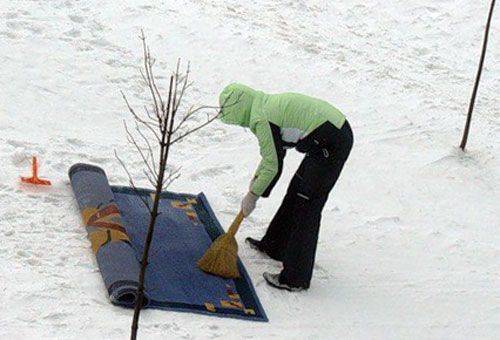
[233,229]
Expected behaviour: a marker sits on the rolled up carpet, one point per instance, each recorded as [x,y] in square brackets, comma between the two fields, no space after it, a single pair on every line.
[111,245]
[117,220]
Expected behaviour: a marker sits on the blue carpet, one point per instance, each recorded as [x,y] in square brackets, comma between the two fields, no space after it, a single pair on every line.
[116,221]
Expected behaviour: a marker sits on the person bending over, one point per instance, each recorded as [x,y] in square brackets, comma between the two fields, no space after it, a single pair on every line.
[313,127]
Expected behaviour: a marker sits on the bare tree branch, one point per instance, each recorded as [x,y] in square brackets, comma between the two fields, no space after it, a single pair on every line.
[192,112]
[185,85]
[173,174]
[150,126]
[151,180]
[193,130]
[139,149]
[131,181]
[150,150]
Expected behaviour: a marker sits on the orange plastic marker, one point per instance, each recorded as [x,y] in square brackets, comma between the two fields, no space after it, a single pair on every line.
[34,178]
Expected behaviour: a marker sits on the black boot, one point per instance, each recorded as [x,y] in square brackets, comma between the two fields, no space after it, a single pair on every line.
[257,245]
[273,281]
[253,243]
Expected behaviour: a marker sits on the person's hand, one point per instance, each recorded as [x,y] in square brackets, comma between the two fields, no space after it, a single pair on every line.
[248,203]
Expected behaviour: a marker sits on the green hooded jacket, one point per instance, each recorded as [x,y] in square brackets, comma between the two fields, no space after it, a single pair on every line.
[278,121]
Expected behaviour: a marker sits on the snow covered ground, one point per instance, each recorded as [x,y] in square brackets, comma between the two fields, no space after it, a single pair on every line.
[410,242]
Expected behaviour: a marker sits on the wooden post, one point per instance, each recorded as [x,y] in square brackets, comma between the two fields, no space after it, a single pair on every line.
[478,77]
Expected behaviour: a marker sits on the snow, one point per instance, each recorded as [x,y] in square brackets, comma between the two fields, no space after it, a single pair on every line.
[409,246]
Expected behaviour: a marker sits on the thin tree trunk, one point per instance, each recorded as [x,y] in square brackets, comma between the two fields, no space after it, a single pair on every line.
[165,143]
[478,77]
[145,255]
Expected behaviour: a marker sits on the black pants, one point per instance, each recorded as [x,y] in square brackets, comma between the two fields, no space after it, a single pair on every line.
[292,236]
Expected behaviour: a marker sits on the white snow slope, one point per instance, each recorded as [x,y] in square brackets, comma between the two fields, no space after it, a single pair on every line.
[410,241]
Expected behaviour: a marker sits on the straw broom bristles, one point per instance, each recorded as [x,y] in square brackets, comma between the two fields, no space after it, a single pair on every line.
[221,258]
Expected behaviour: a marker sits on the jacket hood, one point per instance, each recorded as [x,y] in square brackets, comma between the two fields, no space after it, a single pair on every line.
[236,101]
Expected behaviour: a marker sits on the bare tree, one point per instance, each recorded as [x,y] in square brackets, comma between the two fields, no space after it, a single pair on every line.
[156,129]
[463,143]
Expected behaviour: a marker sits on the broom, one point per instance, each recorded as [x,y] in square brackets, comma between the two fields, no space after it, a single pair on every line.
[222,256]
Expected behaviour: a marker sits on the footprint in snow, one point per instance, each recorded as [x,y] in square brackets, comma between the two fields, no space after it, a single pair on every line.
[321,273]
[74,33]
[76,18]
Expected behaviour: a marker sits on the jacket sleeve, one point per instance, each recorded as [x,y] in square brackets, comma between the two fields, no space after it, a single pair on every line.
[271,164]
